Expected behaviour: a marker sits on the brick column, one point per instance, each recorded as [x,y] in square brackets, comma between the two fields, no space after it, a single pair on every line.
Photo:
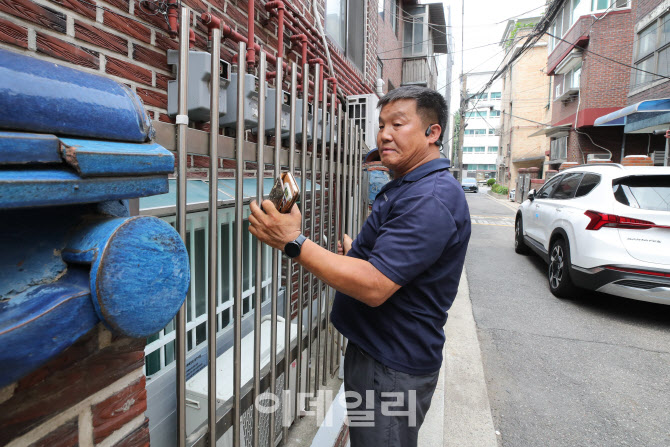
[93,392]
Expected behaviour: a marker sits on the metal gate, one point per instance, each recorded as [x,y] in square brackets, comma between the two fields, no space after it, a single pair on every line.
[331,171]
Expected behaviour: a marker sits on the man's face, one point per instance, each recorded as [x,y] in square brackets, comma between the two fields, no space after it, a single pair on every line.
[402,140]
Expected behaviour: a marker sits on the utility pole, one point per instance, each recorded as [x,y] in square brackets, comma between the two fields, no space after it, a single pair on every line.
[464,101]
[461,131]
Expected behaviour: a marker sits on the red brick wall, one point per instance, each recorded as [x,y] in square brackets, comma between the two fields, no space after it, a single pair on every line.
[390,48]
[604,84]
[93,391]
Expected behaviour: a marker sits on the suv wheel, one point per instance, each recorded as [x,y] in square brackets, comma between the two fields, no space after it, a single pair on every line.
[560,283]
[519,244]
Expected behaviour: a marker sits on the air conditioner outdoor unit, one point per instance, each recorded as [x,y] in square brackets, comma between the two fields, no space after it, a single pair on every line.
[592,157]
[363,110]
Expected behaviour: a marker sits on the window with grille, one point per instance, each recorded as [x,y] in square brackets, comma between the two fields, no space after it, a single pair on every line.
[160,348]
[559,148]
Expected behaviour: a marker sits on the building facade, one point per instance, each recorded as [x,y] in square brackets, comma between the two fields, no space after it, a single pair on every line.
[646,116]
[481,136]
[526,103]
[411,36]
[590,49]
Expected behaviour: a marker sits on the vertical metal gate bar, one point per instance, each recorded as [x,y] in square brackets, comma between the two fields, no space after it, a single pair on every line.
[303,201]
[329,227]
[213,235]
[258,292]
[321,228]
[312,219]
[351,191]
[239,217]
[357,199]
[182,129]
[289,262]
[338,185]
[344,174]
[357,189]
[361,213]
[279,97]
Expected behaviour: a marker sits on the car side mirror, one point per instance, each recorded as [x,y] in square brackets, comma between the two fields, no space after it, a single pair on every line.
[531,195]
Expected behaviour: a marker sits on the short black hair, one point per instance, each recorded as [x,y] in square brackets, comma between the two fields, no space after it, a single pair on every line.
[429,104]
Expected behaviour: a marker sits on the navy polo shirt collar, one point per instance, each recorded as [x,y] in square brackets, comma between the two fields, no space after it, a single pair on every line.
[419,173]
[425,169]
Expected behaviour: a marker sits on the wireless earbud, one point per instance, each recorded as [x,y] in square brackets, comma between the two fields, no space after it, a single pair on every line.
[428,130]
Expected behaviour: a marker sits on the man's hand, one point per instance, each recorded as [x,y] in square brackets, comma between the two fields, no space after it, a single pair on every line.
[347,245]
[272,227]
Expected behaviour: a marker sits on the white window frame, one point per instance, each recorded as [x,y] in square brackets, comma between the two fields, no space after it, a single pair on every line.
[559,148]
[638,78]
[412,13]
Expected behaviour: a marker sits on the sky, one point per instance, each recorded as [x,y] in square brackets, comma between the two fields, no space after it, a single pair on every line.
[484,23]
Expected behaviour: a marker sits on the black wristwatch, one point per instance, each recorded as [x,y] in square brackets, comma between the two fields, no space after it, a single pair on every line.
[292,249]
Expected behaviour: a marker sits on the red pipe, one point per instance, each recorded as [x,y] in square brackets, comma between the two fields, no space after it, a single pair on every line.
[191,39]
[307,28]
[211,22]
[333,82]
[228,32]
[323,65]
[251,53]
[279,6]
[173,18]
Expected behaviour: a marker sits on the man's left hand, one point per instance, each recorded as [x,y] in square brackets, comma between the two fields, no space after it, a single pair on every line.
[272,227]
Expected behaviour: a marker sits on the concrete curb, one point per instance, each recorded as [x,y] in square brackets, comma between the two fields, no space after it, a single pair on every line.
[460,413]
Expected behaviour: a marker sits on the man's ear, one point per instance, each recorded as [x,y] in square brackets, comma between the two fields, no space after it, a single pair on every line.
[434,135]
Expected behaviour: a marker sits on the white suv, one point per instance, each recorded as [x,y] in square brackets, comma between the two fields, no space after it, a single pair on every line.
[601,227]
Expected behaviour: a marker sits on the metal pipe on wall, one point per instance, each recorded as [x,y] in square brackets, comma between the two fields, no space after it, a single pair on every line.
[312,219]
[239,217]
[303,200]
[289,261]
[258,292]
[329,227]
[321,228]
[275,258]
[213,265]
[182,129]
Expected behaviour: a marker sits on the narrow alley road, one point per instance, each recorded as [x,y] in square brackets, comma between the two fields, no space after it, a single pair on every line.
[591,371]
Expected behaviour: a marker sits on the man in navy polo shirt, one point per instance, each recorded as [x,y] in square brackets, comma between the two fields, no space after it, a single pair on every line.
[398,278]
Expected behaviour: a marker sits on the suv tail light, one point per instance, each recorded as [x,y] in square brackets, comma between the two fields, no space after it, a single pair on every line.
[599,220]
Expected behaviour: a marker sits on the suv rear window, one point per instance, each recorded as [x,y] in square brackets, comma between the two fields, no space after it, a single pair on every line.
[589,182]
[647,192]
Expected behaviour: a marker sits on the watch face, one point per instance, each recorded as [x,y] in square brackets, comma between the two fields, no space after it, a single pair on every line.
[292,249]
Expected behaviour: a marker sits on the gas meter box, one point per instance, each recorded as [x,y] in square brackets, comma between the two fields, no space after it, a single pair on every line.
[270,113]
[199,78]
[250,102]
[298,121]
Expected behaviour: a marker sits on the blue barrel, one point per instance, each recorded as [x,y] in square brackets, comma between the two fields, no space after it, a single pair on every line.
[40,96]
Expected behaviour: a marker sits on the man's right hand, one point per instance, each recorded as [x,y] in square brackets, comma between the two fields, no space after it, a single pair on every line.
[347,245]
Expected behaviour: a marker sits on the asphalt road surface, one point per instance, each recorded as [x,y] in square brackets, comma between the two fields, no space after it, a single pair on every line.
[589,371]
